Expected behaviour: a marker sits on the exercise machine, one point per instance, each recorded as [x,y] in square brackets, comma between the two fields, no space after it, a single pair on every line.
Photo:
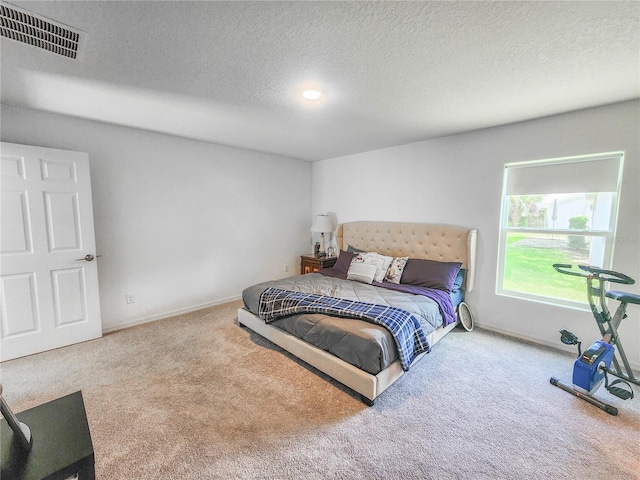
[599,361]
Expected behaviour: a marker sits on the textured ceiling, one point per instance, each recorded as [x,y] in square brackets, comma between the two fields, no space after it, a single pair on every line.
[391,72]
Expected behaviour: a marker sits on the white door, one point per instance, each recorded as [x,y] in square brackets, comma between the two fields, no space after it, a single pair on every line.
[48,272]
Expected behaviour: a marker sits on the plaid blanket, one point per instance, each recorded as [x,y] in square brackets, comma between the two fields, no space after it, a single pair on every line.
[404,327]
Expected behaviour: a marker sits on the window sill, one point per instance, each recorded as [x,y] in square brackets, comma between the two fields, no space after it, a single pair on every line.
[555,302]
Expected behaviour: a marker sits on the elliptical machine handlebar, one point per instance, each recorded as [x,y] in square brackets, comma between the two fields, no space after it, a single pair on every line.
[566,269]
[605,275]
[608,275]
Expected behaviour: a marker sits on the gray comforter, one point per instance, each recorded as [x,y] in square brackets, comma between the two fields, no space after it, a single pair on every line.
[358,342]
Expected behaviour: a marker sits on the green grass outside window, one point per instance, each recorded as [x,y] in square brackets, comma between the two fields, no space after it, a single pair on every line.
[530,270]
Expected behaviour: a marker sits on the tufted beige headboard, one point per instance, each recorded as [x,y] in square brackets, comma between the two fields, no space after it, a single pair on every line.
[444,243]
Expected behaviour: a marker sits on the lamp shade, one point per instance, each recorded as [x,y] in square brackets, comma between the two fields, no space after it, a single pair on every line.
[322,224]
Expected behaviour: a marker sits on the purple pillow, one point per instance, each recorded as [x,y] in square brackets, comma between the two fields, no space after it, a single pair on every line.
[343,262]
[430,274]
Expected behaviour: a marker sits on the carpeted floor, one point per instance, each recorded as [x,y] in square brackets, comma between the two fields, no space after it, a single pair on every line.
[198,397]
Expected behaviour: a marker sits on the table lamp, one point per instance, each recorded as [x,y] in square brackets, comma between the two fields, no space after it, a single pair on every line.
[321,225]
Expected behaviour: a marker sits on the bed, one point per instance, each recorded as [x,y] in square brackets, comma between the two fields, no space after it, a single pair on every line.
[363,355]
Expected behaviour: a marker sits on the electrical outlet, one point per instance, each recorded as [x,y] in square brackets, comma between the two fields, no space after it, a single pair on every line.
[131,298]
[286,268]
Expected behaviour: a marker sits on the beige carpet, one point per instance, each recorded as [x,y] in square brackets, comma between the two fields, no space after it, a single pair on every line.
[198,397]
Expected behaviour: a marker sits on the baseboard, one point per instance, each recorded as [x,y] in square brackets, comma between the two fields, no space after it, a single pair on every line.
[173,313]
[541,341]
[181,311]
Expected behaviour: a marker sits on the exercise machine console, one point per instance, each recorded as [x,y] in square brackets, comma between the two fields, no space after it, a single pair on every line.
[594,366]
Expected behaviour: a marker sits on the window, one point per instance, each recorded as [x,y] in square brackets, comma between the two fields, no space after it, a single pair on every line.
[557,211]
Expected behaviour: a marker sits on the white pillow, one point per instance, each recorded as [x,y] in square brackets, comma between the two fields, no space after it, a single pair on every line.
[394,273]
[361,272]
[381,262]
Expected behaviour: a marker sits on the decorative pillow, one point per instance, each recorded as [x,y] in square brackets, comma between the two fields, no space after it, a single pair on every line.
[361,272]
[394,272]
[430,273]
[352,249]
[381,262]
[343,262]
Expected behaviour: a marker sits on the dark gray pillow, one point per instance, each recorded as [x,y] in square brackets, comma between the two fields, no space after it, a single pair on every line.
[353,249]
[343,262]
[430,273]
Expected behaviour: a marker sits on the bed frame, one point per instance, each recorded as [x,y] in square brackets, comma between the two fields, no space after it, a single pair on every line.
[445,243]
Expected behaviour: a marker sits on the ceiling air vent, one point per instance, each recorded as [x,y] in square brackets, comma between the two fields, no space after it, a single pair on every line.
[37,31]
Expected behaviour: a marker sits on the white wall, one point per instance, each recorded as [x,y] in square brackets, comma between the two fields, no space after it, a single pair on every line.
[183,223]
[458,180]
[180,223]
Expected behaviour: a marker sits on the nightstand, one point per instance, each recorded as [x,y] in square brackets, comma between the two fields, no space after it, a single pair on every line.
[310,264]
[62,446]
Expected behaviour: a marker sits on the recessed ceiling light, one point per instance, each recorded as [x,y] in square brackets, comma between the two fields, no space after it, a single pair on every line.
[311,94]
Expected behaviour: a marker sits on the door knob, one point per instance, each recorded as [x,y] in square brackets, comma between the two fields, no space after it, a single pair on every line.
[87,258]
